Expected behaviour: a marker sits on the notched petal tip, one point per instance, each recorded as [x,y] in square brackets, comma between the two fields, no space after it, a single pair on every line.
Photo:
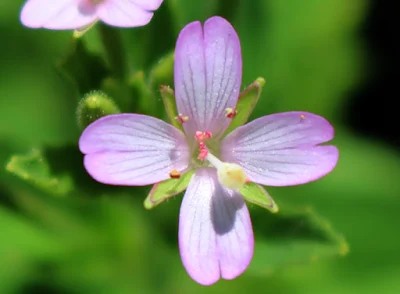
[208,73]
[215,232]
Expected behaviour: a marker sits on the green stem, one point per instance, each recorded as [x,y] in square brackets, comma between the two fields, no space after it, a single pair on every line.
[114,48]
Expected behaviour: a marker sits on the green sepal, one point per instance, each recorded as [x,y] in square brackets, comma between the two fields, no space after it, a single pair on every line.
[34,169]
[78,33]
[168,97]
[246,103]
[166,189]
[256,194]
[94,105]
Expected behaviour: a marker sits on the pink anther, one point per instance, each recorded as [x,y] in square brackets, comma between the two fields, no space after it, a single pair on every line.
[182,118]
[207,135]
[202,136]
[230,112]
[203,154]
[203,151]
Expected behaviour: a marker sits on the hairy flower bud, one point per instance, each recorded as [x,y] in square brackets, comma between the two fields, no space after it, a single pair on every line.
[94,105]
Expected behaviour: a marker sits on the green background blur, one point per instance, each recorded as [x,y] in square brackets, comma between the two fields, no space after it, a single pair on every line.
[60,232]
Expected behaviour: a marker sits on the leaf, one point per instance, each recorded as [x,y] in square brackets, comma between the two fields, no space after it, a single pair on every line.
[84,68]
[256,194]
[312,70]
[34,169]
[23,244]
[146,44]
[293,236]
[166,189]
[124,96]
[246,103]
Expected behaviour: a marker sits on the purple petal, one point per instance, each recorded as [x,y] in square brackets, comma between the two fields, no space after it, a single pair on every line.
[215,232]
[280,149]
[124,13]
[148,4]
[208,73]
[58,14]
[133,149]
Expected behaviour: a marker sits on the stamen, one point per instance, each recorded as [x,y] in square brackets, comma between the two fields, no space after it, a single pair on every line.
[230,175]
[202,136]
[182,118]
[230,112]
[175,174]
[203,151]
[302,116]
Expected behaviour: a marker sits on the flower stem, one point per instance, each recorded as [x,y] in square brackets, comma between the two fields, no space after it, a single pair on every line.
[111,39]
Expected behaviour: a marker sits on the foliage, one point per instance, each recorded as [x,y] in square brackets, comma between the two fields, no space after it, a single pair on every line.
[64,233]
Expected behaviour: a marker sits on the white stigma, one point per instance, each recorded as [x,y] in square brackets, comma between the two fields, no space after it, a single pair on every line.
[230,175]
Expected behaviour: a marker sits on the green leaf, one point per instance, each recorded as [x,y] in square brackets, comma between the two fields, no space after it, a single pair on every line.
[124,96]
[35,169]
[311,71]
[84,68]
[293,236]
[23,244]
[246,103]
[256,194]
[166,189]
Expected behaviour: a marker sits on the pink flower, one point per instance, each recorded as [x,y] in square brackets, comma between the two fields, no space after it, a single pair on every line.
[75,14]
[215,231]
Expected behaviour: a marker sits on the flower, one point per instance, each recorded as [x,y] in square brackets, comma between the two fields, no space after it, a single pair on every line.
[215,231]
[75,14]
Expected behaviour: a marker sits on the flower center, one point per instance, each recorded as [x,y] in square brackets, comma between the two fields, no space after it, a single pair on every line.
[230,175]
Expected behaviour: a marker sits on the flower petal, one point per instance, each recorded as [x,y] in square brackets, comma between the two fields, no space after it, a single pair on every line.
[208,74]
[148,4]
[215,232]
[124,13]
[133,149]
[58,14]
[280,149]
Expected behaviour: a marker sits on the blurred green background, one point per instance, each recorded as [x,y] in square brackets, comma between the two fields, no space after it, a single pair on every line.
[63,233]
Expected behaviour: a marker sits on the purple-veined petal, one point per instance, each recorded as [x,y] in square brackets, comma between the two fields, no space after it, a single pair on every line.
[281,149]
[133,149]
[58,14]
[124,13]
[208,74]
[215,231]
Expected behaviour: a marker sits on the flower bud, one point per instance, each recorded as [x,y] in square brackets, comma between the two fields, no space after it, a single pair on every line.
[94,105]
